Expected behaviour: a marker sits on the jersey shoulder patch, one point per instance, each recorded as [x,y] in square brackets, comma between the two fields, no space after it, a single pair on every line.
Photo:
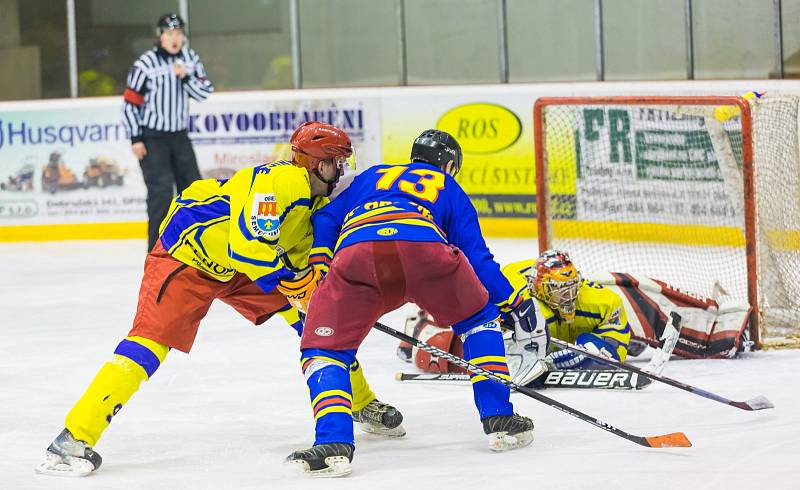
[264,218]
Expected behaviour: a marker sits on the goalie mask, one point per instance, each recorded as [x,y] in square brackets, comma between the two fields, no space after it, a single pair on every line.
[555,280]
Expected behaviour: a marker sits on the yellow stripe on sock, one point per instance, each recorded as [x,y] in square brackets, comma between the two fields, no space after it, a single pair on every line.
[483,359]
[328,393]
[333,409]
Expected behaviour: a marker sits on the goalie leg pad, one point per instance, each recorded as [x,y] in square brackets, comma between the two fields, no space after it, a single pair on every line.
[441,338]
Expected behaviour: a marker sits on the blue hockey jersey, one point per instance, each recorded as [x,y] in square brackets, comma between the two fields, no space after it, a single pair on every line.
[415,202]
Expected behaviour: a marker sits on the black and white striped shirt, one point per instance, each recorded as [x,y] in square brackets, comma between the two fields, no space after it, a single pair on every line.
[156,98]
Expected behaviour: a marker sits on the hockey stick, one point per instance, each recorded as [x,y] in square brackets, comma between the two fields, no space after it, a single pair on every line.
[604,379]
[675,439]
[609,379]
[758,403]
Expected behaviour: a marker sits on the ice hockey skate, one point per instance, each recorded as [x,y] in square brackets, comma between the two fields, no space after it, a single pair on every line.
[507,432]
[380,418]
[323,460]
[67,456]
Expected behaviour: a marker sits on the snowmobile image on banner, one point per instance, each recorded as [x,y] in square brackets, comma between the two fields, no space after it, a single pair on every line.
[56,176]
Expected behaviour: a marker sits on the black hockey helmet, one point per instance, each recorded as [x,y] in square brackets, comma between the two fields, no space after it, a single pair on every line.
[170,21]
[437,148]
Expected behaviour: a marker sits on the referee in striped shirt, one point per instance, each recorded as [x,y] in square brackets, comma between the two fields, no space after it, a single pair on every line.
[155,113]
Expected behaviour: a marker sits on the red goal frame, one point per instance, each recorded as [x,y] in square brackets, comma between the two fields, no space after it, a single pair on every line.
[747,171]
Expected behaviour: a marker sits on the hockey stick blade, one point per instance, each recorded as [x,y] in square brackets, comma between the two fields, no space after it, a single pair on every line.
[677,439]
[758,403]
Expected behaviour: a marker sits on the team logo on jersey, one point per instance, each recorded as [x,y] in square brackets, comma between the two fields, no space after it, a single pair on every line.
[264,220]
[323,331]
[614,318]
[387,231]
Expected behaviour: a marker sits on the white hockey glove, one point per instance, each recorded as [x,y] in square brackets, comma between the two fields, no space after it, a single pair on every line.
[526,345]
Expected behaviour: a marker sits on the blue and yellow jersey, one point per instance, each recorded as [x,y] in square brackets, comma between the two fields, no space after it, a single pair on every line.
[415,202]
[257,223]
[598,310]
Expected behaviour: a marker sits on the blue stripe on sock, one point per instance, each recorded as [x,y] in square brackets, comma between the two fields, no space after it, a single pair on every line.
[139,354]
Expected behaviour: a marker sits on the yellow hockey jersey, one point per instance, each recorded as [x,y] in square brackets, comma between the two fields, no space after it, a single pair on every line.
[258,223]
[598,310]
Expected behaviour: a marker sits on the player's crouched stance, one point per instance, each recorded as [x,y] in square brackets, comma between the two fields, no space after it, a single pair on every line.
[402,233]
[252,254]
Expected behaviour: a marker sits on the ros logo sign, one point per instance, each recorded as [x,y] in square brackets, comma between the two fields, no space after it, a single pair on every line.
[482,127]
[323,331]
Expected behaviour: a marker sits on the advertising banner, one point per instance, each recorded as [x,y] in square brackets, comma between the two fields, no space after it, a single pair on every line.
[496,136]
[634,157]
[73,165]
[66,166]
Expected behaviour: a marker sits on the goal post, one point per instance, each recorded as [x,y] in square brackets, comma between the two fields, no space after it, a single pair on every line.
[702,192]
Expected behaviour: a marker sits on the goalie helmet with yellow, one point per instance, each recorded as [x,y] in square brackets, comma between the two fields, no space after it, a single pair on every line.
[554,280]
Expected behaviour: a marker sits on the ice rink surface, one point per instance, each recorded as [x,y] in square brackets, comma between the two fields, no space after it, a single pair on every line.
[225,416]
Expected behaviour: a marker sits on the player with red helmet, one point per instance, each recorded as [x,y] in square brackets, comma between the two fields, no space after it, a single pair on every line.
[244,241]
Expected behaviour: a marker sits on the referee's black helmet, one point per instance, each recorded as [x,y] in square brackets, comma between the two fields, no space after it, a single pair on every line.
[170,21]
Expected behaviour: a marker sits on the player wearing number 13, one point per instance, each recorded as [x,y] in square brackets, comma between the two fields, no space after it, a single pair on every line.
[397,234]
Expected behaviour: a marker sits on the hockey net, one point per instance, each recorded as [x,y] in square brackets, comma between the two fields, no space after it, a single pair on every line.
[701,192]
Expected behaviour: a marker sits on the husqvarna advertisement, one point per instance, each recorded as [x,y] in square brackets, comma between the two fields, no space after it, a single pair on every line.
[72,164]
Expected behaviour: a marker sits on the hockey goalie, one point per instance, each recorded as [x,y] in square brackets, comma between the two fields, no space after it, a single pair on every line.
[613,316]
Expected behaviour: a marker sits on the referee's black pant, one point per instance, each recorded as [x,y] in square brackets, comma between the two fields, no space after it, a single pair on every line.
[169,164]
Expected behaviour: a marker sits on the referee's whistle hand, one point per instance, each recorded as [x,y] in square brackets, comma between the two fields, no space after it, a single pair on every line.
[139,150]
[179,69]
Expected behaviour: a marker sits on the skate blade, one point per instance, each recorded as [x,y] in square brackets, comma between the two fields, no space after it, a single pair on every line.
[336,466]
[380,430]
[502,441]
[54,465]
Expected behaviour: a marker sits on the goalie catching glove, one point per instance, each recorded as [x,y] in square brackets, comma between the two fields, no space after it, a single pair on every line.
[526,345]
[298,290]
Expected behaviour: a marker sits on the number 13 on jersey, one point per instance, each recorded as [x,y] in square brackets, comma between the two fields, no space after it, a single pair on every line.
[427,185]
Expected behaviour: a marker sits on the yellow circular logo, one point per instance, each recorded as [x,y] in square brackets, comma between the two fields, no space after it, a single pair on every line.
[387,231]
[482,127]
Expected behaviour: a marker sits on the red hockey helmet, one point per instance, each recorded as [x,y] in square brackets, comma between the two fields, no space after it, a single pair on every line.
[314,141]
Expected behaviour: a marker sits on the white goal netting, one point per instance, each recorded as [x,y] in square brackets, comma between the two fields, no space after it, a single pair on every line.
[658,189]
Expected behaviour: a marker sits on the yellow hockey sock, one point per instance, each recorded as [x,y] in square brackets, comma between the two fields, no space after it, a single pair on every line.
[362,394]
[135,360]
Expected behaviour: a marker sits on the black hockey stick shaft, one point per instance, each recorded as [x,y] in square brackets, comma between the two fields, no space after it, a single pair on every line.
[758,403]
[675,439]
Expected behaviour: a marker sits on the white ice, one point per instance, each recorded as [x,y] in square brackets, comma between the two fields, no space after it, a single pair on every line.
[227,415]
